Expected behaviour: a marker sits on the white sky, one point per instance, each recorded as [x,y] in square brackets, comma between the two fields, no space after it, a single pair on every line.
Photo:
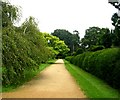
[67,14]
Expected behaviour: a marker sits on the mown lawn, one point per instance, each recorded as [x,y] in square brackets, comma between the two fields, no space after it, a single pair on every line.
[29,75]
[92,86]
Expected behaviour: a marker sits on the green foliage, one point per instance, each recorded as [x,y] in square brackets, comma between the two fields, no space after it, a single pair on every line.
[29,74]
[104,64]
[68,58]
[93,87]
[116,35]
[116,32]
[79,51]
[96,37]
[23,48]
[57,46]
[107,39]
[10,14]
[96,48]
[114,19]
[71,40]
[92,37]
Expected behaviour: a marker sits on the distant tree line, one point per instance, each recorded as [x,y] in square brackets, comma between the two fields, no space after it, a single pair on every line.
[95,38]
[72,40]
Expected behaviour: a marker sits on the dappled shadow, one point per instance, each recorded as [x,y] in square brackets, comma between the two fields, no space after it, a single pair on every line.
[50,62]
[59,63]
[54,63]
[38,79]
[41,77]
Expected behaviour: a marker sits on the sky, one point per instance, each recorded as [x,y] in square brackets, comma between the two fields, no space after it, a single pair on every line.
[67,14]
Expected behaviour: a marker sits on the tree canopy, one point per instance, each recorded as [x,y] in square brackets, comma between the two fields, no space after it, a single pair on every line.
[96,37]
[116,32]
[72,40]
[23,48]
[92,37]
[58,46]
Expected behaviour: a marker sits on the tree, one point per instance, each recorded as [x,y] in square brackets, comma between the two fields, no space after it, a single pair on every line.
[58,46]
[71,40]
[106,38]
[75,40]
[114,19]
[92,37]
[10,14]
[23,48]
[79,51]
[31,32]
[116,32]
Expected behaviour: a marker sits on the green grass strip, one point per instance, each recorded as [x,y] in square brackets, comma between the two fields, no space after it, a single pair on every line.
[30,74]
[92,86]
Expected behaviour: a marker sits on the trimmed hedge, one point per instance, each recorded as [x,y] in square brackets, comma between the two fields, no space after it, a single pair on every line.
[68,58]
[104,64]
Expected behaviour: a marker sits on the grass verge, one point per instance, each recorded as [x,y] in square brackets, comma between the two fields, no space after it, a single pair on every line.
[92,86]
[29,75]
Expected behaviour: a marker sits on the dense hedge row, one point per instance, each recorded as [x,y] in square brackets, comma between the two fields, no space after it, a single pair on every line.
[21,52]
[104,64]
[23,48]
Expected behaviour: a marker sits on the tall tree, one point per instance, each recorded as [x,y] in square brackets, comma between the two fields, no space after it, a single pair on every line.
[106,38]
[10,14]
[72,40]
[23,48]
[114,19]
[116,32]
[31,32]
[92,37]
[58,47]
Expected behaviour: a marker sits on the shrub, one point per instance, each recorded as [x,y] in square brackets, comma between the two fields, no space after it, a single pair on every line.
[79,51]
[105,64]
[96,48]
[68,58]
[23,48]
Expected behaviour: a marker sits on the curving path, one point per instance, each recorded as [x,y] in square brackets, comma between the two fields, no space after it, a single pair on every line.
[54,82]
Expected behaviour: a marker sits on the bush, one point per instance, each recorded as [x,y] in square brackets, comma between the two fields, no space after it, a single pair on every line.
[79,51]
[96,48]
[68,58]
[23,48]
[105,64]
[19,54]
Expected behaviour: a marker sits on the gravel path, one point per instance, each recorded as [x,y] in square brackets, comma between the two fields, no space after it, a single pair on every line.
[54,82]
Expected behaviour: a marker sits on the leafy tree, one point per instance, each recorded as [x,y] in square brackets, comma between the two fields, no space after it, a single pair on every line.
[23,48]
[32,34]
[58,46]
[79,51]
[92,37]
[96,48]
[114,19]
[95,37]
[75,40]
[10,14]
[72,40]
[116,35]
[116,32]
[106,38]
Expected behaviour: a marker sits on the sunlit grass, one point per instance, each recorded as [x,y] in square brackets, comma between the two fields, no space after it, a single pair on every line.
[92,86]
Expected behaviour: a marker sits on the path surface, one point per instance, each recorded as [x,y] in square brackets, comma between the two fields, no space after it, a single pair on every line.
[54,82]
